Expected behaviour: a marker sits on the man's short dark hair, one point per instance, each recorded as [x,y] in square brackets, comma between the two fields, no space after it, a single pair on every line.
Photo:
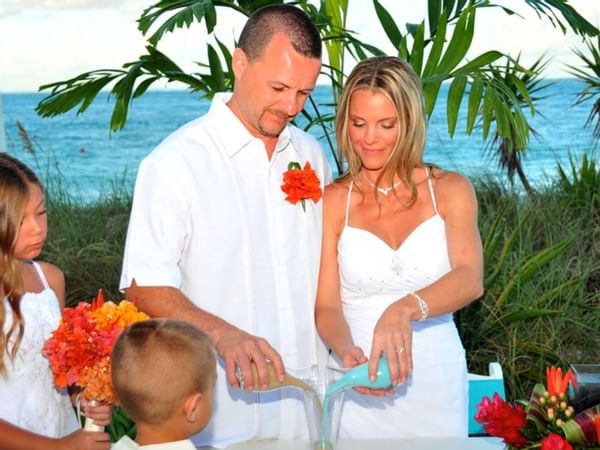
[290,20]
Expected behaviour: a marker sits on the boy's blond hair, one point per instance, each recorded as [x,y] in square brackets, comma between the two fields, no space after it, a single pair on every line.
[157,364]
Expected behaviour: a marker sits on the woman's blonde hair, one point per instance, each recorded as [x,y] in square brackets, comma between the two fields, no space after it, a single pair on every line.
[14,194]
[394,78]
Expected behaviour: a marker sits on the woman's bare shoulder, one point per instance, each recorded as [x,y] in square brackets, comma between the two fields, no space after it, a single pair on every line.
[449,180]
[454,192]
[334,206]
[337,190]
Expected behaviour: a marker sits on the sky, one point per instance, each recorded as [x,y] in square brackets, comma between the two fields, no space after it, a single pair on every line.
[44,41]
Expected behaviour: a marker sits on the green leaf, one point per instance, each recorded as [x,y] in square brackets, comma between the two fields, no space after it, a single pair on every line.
[460,5]
[580,429]
[522,89]
[430,92]
[536,412]
[529,313]
[66,95]
[123,91]
[418,48]
[388,24]
[489,101]
[461,40]
[561,290]
[437,47]
[143,86]
[216,70]
[502,113]
[455,96]
[507,248]
[492,237]
[576,21]
[188,12]
[481,61]
[403,49]
[475,95]
[211,18]
[434,11]
[227,56]
[532,266]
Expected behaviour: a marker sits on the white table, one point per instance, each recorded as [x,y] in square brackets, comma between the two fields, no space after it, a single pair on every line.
[474,443]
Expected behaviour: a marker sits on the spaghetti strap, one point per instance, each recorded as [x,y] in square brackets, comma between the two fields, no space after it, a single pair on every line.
[41,274]
[348,203]
[431,192]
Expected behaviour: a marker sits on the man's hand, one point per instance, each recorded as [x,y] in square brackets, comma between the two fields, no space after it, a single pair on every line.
[240,349]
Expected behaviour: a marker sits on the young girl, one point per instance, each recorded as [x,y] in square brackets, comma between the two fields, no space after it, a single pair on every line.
[33,413]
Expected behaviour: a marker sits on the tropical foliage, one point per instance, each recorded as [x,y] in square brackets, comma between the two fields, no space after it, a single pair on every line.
[581,183]
[507,149]
[590,75]
[541,280]
[436,48]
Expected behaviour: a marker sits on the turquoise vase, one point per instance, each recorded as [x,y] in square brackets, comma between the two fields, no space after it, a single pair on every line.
[359,376]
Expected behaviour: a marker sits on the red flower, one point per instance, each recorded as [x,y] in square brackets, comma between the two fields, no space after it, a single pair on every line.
[555,442]
[301,184]
[556,384]
[597,427]
[503,420]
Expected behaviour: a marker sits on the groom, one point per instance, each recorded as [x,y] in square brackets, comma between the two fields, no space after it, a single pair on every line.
[213,240]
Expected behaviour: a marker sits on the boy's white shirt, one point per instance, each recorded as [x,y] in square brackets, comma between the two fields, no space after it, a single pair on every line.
[126,443]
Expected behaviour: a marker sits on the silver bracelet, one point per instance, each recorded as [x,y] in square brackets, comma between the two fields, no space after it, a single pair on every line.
[422,306]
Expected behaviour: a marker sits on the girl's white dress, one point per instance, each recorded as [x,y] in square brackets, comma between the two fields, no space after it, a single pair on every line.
[434,401]
[28,397]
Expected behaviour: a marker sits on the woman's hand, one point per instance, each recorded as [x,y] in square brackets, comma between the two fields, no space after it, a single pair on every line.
[393,337]
[99,413]
[352,357]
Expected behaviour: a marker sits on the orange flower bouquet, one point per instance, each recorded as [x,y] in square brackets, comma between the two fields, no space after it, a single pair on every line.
[79,349]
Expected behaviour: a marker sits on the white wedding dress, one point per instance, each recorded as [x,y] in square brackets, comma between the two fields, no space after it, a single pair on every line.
[28,397]
[434,401]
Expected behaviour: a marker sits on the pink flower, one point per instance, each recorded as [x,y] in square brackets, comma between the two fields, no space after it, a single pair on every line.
[555,442]
[503,420]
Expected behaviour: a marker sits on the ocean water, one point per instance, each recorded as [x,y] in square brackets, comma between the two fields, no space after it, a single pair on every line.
[88,159]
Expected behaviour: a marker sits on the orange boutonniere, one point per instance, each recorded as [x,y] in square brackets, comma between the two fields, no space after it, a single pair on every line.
[301,184]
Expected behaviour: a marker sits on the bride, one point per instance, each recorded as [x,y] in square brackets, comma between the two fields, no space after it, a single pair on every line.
[401,252]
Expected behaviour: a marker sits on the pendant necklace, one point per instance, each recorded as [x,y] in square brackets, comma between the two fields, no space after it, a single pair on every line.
[387,190]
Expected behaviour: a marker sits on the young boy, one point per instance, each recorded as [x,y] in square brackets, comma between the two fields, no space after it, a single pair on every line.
[163,372]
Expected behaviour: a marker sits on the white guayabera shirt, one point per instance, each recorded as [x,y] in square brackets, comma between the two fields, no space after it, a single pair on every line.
[209,217]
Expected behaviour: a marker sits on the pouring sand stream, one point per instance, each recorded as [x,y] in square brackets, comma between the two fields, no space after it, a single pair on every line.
[318,411]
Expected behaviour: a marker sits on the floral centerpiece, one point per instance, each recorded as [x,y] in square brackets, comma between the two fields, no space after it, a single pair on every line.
[79,349]
[548,421]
